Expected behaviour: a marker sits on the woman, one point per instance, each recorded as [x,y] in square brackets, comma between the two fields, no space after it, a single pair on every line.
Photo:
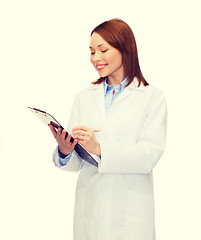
[121,121]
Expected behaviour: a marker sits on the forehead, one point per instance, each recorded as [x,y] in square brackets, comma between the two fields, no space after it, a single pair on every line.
[96,40]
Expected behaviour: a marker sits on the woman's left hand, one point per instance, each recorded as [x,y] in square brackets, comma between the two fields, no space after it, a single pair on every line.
[86,137]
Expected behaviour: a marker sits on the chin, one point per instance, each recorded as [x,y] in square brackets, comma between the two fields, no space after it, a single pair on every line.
[102,75]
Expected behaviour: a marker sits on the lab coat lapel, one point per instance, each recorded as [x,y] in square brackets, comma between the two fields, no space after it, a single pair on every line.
[100,100]
[125,92]
[122,95]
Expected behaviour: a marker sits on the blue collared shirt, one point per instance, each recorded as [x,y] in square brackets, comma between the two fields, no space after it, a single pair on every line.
[111,93]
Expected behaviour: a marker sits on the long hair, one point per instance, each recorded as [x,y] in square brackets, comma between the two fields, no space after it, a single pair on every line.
[119,35]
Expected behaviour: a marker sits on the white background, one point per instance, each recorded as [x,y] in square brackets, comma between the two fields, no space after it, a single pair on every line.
[44,62]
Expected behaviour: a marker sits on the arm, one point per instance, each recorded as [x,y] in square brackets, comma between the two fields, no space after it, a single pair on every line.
[71,163]
[142,156]
[64,156]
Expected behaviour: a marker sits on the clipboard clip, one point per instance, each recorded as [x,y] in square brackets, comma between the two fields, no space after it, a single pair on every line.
[37,109]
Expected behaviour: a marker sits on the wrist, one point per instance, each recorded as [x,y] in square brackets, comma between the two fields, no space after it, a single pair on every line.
[63,154]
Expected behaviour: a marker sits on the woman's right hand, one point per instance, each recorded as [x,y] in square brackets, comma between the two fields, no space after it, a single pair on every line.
[65,146]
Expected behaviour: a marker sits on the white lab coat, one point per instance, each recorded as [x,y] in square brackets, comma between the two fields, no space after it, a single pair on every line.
[115,201]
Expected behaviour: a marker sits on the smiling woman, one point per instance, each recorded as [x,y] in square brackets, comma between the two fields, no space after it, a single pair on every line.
[116,34]
[106,59]
[115,200]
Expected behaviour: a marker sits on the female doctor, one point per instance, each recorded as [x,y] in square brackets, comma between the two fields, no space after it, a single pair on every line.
[121,121]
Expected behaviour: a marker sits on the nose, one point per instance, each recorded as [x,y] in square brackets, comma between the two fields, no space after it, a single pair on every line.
[96,56]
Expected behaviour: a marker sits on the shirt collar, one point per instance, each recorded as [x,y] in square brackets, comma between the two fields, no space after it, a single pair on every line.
[119,87]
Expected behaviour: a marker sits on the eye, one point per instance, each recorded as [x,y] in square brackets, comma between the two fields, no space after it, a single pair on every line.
[104,50]
[92,53]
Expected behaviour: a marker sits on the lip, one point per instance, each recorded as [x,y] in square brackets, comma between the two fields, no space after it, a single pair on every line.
[100,67]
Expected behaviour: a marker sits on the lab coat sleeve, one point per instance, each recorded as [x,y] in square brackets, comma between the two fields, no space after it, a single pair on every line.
[75,163]
[139,157]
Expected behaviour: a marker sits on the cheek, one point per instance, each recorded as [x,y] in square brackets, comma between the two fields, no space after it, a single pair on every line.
[91,60]
[110,58]
[115,59]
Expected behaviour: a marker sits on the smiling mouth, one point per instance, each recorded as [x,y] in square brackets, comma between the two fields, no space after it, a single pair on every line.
[100,67]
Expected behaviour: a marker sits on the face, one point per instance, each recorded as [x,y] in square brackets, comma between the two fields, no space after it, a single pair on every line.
[106,59]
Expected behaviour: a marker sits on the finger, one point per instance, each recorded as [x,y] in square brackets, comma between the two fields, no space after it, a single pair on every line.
[81,142]
[74,143]
[63,134]
[79,137]
[58,137]
[65,140]
[52,130]
[82,127]
[79,132]
[68,138]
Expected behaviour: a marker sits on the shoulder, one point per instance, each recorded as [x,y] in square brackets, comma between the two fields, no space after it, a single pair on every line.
[150,96]
[148,91]
[153,91]
[156,98]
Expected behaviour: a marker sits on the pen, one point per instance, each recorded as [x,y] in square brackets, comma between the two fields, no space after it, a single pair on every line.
[95,130]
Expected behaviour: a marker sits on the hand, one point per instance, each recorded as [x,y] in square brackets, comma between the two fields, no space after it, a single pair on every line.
[86,137]
[65,146]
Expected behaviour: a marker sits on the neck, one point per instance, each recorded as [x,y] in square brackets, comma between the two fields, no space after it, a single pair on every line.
[112,80]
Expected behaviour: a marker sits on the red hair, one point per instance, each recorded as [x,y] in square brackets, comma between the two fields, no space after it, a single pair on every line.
[119,35]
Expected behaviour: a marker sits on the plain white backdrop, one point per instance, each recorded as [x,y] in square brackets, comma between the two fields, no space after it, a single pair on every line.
[44,63]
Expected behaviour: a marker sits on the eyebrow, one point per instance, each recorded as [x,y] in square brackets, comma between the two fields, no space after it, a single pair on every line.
[97,46]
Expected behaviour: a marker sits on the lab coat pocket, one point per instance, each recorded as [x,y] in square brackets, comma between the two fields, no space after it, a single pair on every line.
[79,213]
[140,215]
[89,207]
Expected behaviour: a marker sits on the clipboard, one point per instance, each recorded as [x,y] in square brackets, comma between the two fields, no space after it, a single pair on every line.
[47,118]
